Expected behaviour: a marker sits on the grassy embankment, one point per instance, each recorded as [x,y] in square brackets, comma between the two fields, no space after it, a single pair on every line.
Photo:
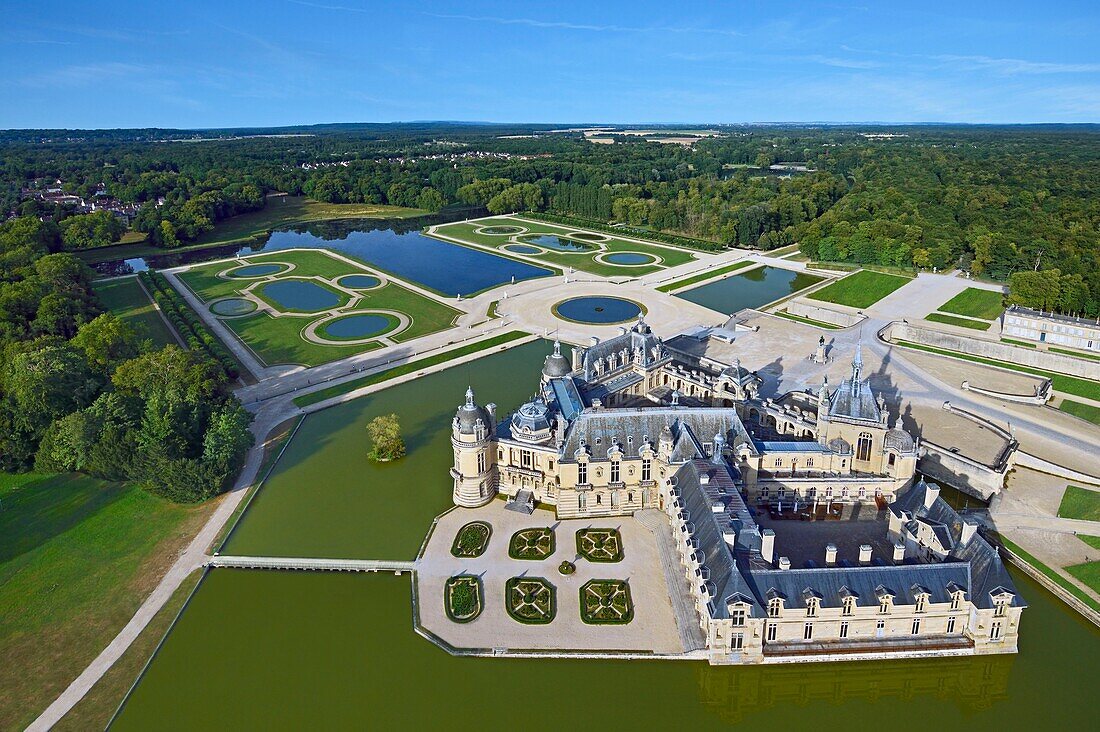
[79,556]
[860,290]
[1080,503]
[1051,574]
[278,340]
[1075,354]
[806,321]
[1078,409]
[583,260]
[1065,384]
[280,212]
[960,322]
[126,299]
[408,368]
[710,274]
[975,303]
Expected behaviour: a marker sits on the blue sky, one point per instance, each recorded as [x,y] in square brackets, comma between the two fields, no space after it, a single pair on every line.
[236,63]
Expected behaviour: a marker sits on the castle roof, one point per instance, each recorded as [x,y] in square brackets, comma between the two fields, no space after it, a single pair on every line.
[599,429]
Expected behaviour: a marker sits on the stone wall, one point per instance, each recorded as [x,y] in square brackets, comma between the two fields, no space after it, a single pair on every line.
[803,309]
[898,331]
[960,472]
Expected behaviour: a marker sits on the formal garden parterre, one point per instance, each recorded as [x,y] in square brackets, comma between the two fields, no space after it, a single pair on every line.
[600,545]
[532,544]
[462,598]
[530,600]
[472,539]
[606,602]
[307,306]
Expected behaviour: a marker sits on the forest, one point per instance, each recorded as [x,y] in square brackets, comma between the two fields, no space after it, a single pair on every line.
[993,201]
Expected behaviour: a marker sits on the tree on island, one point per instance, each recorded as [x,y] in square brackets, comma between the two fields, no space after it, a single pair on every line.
[386,442]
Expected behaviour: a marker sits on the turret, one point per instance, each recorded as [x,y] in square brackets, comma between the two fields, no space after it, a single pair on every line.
[474,470]
[822,409]
[556,365]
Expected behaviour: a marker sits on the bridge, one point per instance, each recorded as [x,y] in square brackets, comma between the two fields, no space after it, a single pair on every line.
[312,564]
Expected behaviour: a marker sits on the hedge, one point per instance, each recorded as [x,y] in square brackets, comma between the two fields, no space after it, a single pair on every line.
[187,324]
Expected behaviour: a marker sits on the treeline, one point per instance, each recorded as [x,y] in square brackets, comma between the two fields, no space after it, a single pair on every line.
[197,335]
[585,223]
[81,390]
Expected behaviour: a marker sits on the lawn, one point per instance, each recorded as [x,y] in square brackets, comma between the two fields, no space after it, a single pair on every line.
[806,321]
[79,556]
[204,281]
[585,260]
[1011,342]
[1075,354]
[860,290]
[279,341]
[126,299]
[1051,574]
[1065,384]
[1088,573]
[1093,541]
[707,275]
[984,304]
[1080,503]
[1078,409]
[960,322]
[407,368]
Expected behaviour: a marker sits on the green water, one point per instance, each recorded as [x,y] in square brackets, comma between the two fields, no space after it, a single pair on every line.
[326,499]
[273,650]
[750,289]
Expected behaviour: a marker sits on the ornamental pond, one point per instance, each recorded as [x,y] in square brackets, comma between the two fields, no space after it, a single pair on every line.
[597,310]
[285,650]
[750,289]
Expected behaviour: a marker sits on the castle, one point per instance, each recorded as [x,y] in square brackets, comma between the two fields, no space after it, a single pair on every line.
[871,563]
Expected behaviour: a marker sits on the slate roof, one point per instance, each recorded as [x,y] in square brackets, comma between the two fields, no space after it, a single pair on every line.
[854,402]
[867,584]
[614,426]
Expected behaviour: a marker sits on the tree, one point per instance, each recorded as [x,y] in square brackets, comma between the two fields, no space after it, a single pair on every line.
[386,443]
[106,342]
[430,200]
[91,230]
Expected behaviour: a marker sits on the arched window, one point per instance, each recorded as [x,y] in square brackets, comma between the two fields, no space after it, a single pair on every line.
[863,446]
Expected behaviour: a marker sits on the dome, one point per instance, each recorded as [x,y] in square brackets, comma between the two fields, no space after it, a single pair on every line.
[556,365]
[899,441]
[840,446]
[532,420]
[469,413]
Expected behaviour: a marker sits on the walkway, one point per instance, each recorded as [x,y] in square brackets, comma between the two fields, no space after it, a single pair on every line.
[312,563]
[687,618]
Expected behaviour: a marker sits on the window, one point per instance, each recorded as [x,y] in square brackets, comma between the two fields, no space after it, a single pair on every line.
[737,641]
[829,492]
[772,630]
[708,448]
[849,605]
[778,462]
[956,600]
[782,492]
[890,460]
[862,493]
[647,469]
[916,626]
[525,458]
[775,608]
[614,471]
[880,625]
[481,462]
[809,462]
[582,473]
[737,617]
[808,631]
[1001,610]
[599,440]
[630,439]
[844,629]
[551,464]
[599,499]
[630,497]
[922,603]
[884,605]
[863,446]
[811,607]
[765,492]
[951,624]
[582,501]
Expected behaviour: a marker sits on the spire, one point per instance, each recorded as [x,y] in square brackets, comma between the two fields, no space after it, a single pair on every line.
[857,365]
[470,397]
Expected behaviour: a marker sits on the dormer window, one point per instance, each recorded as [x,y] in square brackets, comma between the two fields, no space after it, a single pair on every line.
[812,606]
[775,607]
[922,603]
[614,471]
[849,606]
[1000,609]
[883,605]
[630,439]
[599,440]
[956,600]
[737,617]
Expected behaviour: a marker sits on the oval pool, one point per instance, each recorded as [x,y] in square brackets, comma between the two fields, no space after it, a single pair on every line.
[249,271]
[301,295]
[629,258]
[354,327]
[232,306]
[359,281]
[598,310]
[556,243]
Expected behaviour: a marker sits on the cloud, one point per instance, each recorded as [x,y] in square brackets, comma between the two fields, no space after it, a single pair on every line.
[330,7]
[565,25]
[1012,66]
[82,74]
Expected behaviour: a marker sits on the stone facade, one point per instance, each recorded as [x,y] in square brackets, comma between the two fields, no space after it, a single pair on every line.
[1050,328]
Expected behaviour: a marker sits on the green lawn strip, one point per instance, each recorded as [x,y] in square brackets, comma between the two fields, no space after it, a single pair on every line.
[1066,384]
[960,322]
[1075,354]
[1080,503]
[806,321]
[348,386]
[125,298]
[79,557]
[1011,342]
[97,707]
[279,340]
[861,289]
[1093,541]
[1084,411]
[428,315]
[977,303]
[706,275]
[583,260]
[1088,573]
[1051,574]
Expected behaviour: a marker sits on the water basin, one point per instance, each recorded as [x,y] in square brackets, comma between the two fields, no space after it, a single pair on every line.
[300,295]
[360,325]
[598,310]
[549,241]
[250,271]
[359,281]
[629,258]
[232,306]
[749,289]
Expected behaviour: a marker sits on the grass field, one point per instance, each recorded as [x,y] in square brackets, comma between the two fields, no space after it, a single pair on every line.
[1065,384]
[960,322]
[408,368]
[1075,354]
[1080,503]
[278,340]
[1088,573]
[1051,574]
[126,299]
[585,260]
[707,275]
[806,321]
[1093,541]
[78,557]
[984,304]
[1078,409]
[861,289]
[1011,342]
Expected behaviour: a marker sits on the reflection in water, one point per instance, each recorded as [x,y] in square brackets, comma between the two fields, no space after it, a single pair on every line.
[971,684]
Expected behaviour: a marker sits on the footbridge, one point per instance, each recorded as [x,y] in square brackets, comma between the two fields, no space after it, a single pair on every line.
[312,564]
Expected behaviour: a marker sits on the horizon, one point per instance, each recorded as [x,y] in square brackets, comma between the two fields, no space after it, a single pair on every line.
[298,63]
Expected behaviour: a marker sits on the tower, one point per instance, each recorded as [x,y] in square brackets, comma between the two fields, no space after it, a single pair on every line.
[823,410]
[474,469]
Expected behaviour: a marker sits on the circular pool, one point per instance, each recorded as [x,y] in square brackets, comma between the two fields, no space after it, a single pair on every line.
[232,306]
[357,326]
[499,230]
[629,259]
[521,249]
[249,271]
[359,281]
[598,310]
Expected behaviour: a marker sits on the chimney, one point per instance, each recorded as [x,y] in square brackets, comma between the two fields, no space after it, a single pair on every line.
[730,537]
[784,563]
[767,545]
[578,359]
[899,552]
[622,330]
[595,340]
[931,493]
[830,554]
[491,408]
[969,528]
[864,554]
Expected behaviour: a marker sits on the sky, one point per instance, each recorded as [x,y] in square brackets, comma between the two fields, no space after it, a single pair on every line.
[234,63]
